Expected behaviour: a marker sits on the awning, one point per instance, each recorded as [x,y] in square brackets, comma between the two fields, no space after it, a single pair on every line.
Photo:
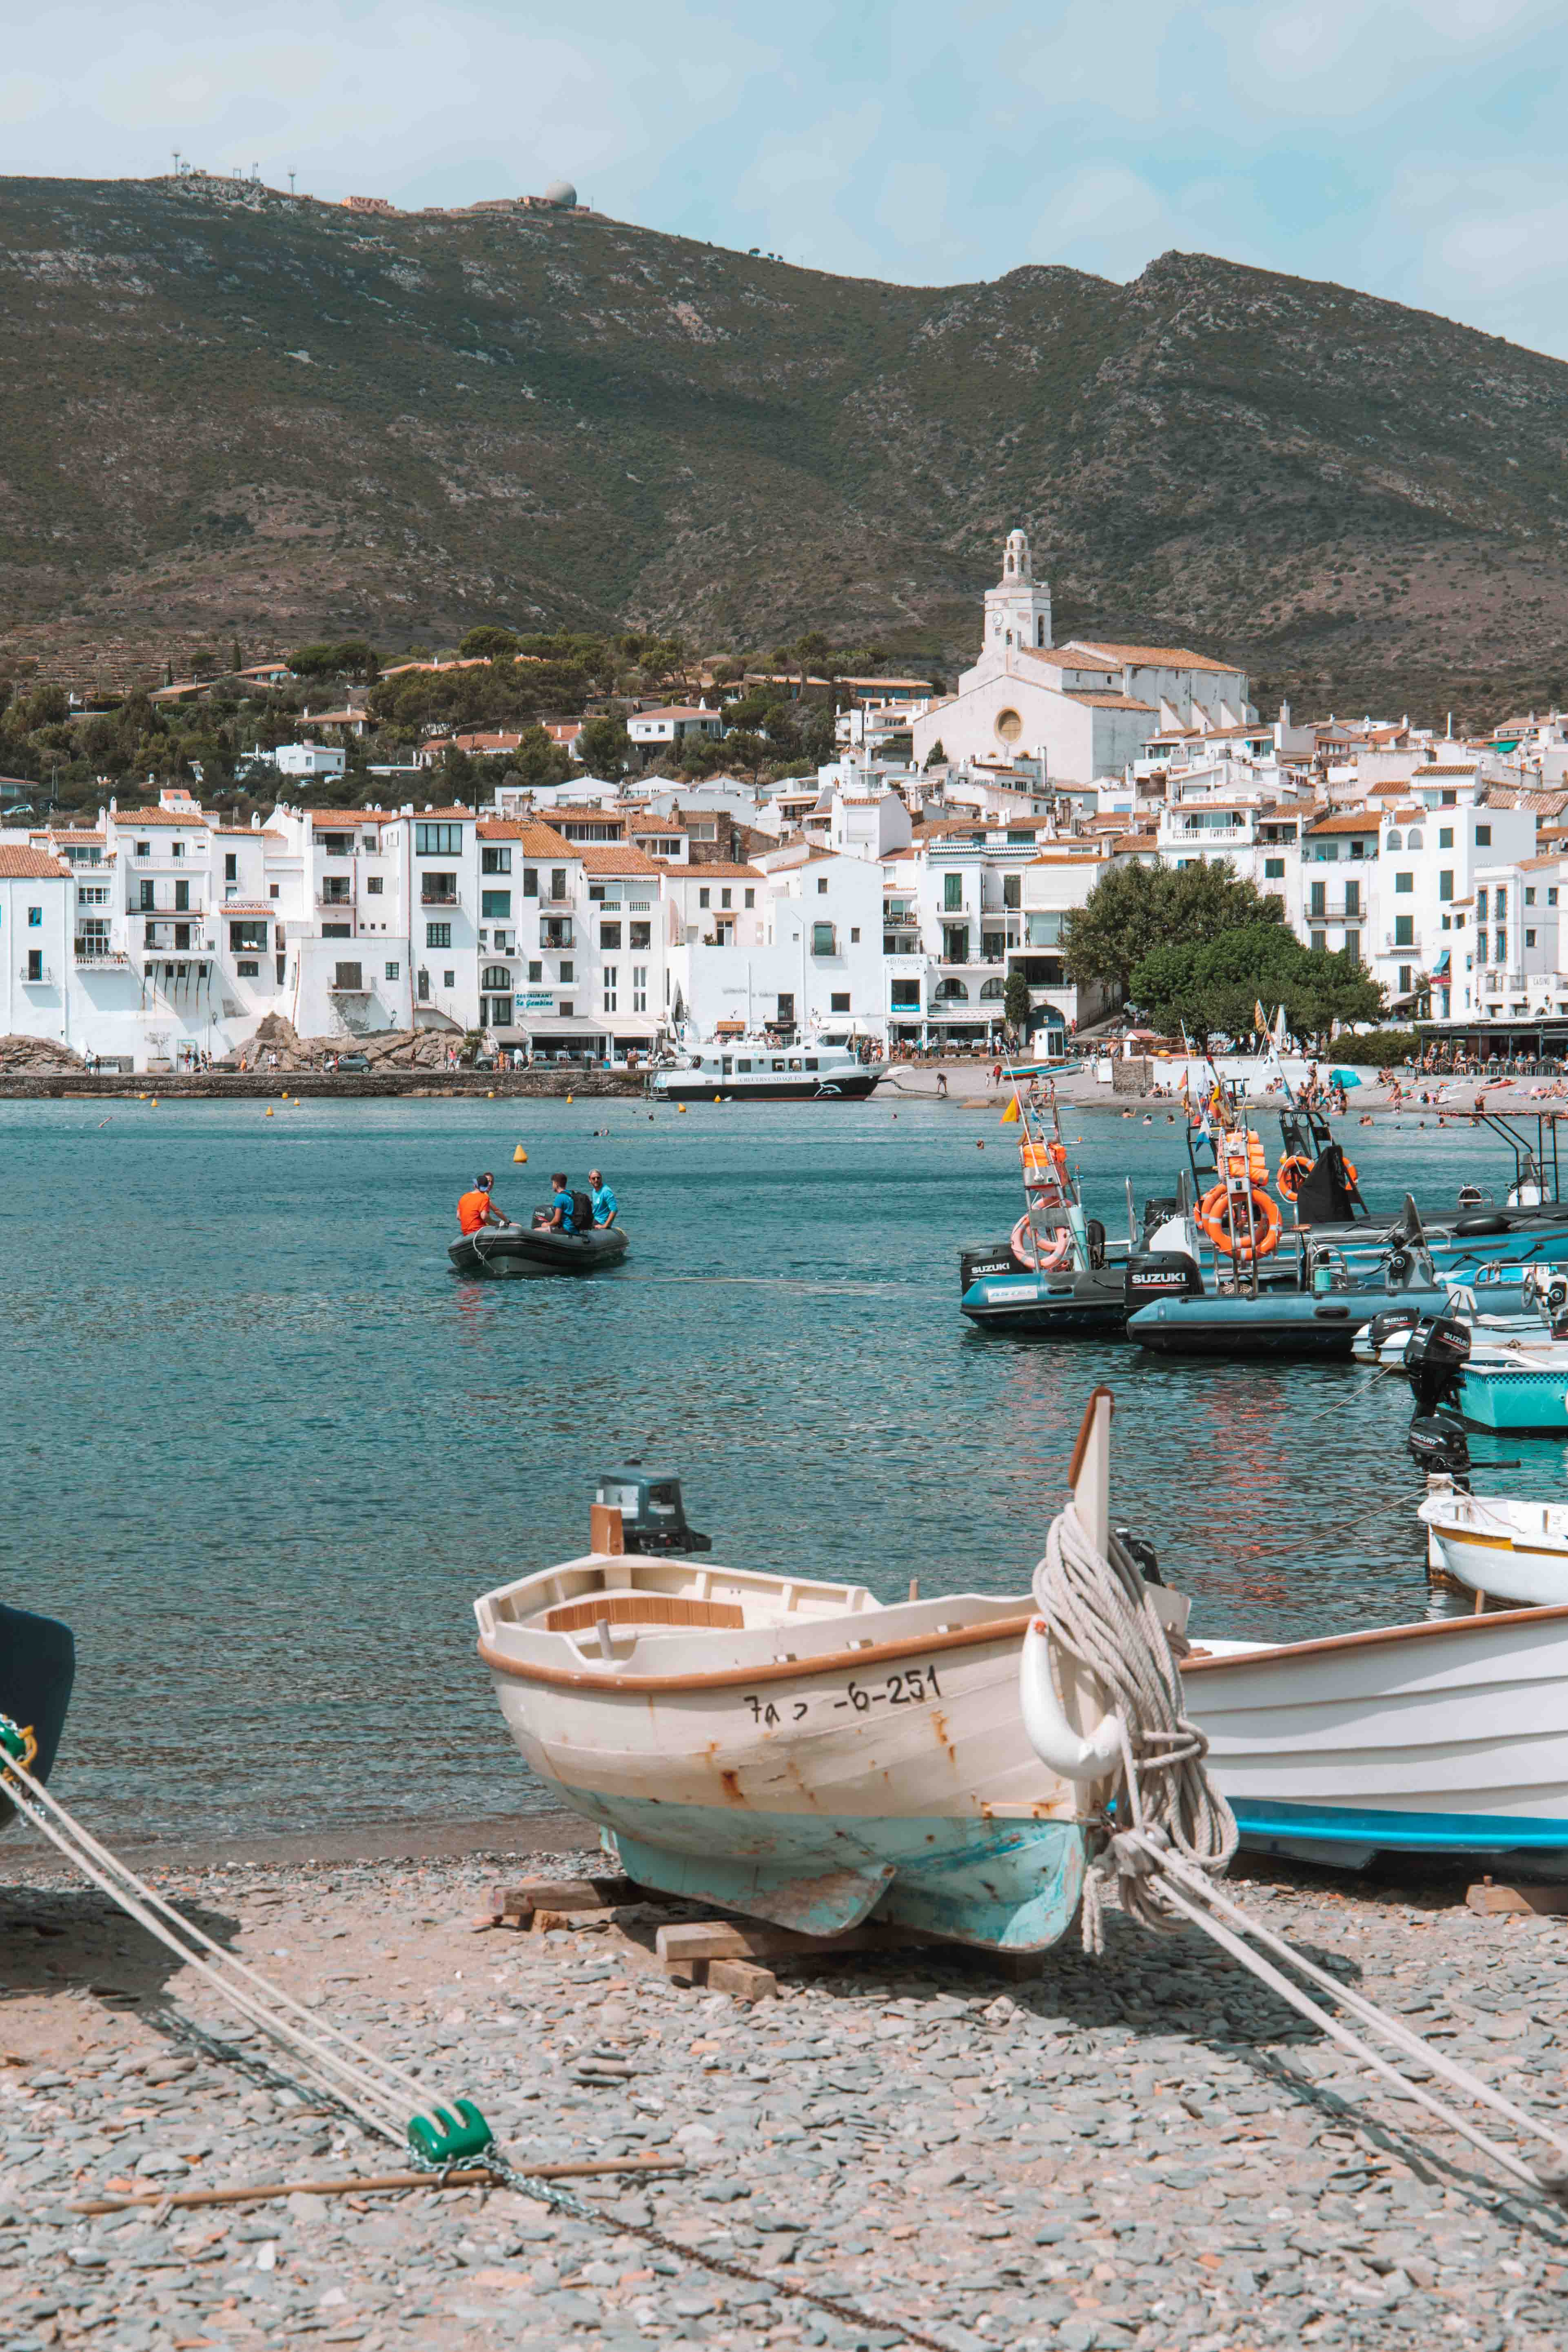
[1440,968]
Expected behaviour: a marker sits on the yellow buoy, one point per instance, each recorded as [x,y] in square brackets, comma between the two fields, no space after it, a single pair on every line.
[520,1155]
[491,1096]
[155,1102]
[270,1111]
[681,1109]
[570,1097]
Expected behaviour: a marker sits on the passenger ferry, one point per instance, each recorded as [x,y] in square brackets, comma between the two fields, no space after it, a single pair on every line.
[756,1069]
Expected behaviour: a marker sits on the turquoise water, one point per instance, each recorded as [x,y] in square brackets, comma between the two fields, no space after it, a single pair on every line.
[262,1449]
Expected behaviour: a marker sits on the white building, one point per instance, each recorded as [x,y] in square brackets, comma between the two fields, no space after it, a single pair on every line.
[311,760]
[672,723]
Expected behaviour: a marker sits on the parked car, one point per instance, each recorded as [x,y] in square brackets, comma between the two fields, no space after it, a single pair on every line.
[354,1065]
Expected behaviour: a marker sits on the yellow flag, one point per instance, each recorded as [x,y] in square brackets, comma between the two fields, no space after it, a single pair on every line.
[1010,1116]
[1261,1018]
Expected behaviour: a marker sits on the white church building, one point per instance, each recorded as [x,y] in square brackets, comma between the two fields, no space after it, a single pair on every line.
[1083,709]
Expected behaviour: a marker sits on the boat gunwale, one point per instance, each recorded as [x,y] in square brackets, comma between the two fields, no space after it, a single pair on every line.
[771,1670]
[1269,1654]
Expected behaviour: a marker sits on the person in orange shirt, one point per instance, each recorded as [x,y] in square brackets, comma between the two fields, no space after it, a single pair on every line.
[475,1209]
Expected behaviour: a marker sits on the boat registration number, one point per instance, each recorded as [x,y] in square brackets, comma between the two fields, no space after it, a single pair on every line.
[911,1687]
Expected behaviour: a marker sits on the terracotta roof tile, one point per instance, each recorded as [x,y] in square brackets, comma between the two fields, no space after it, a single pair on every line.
[18,865]
[622,857]
[139,818]
[538,840]
[334,820]
[1151,656]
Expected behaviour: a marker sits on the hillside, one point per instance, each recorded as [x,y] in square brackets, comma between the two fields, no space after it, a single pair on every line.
[231,414]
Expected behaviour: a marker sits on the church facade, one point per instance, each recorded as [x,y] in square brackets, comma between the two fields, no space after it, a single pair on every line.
[1084,708]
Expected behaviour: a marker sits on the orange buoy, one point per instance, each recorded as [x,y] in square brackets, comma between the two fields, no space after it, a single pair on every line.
[520,1156]
[1214,1216]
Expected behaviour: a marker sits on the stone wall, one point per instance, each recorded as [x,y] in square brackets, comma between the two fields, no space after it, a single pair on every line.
[262,1085]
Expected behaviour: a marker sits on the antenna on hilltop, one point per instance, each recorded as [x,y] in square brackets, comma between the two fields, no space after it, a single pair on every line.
[175,153]
[291,183]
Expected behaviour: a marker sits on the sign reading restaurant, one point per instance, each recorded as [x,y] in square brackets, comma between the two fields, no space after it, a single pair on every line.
[537,1001]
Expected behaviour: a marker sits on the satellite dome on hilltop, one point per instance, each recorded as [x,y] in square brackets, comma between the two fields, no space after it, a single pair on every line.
[561,192]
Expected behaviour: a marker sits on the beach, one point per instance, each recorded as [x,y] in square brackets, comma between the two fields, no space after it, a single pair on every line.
[1148,2150]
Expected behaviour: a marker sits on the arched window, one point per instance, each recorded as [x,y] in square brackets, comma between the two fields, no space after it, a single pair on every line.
[496,975]
[1394,841]
[992,988]
[1413,838]
[952,991]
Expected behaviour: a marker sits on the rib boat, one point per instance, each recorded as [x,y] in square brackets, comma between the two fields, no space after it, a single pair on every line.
[37,1665]
[510,1253]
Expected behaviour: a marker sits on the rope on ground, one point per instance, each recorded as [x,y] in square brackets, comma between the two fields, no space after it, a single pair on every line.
[1165,1833]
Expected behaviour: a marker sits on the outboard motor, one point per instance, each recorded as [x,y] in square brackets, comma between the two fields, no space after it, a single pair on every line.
[653,1518]
[1439,1349]
[1144,1553]
[1161,1274]
[1384,1326]
[1094,1232]
[1157,1213]
[975,1265]
[1440,1447]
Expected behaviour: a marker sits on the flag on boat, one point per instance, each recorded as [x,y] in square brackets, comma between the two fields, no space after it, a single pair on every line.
[1010,1116]
[1259,1018]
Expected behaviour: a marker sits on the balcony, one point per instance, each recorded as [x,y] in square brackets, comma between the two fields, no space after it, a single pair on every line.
[39,976]
[97,955]
[328,905]
[555,935]
[429,898]
[177,940]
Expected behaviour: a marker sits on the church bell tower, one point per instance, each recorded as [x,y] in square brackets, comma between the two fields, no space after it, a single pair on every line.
[1018,609]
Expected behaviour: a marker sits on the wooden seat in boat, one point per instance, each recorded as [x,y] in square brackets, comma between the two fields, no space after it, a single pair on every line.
[641,1609]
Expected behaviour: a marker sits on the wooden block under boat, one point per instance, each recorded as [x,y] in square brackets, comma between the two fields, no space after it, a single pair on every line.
[563,1894]
[1500,1901]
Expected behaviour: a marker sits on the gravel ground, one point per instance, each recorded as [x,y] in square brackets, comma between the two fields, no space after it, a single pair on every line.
[1146,2150]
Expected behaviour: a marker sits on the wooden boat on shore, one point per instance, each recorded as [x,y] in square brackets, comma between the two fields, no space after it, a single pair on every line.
[37,1665]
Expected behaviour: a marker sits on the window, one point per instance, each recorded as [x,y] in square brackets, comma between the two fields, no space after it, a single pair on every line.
[337,844]
[437,935]
[1445,837]
[144,849]
[1483,836]
[1529,938]
[1317,898]
[565,1008]
[348,976]
[1405,979]
[905,995]
[1353,946]
[1480,906]
[705,897]
[726,898]
[839,1002]
[1403,884]
[449,979]
[272,889]
[1318,942]
[1445,883]
[495,975]
[1013,884]
[246,935]
[1274,869]
[35,918]
[495,861]
[1352,899]
[640,988]
[751,898]
[568,970]
[1394,841]
[230,865]
[1500,943]
[392,969]
[558,882]
[952,894]
[1551,895]
[1404,930]
[784,1015]
[424,986]
[822,886]
[34,964]
[375,886]
[822,939]
[609,935]
[1500,902]
[611,979]
[639,935]
[1413,838]
[438,840]
[1528,897]
[247,968]
[495,1012]
[495,906]
[535,973]
[531,881]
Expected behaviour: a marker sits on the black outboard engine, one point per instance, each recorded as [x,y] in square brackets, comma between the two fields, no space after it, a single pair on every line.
[1161,1274]
[1144,1553]
[1440,1347]
[653,1518]
[1384,1326]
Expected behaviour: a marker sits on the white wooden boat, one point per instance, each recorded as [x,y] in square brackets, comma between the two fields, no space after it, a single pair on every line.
[790,1749]
[1496,1547]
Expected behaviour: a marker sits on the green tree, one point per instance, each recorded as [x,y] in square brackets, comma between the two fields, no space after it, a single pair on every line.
[352,658]
[604,747]
[1212,987]
[538,760]
[1015,1006]
[1136,908]
[936,757]
[486,642]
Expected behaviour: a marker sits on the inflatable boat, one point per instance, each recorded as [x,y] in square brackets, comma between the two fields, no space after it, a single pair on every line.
[37,1665]
[513,1251]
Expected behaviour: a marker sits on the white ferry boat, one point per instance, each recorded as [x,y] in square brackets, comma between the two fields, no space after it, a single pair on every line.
[755,1069]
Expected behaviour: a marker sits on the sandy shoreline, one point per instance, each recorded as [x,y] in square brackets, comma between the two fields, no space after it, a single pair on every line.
[1146,2151]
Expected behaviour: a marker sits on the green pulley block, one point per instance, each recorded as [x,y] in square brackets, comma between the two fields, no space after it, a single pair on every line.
[451,2138]
[19,1745]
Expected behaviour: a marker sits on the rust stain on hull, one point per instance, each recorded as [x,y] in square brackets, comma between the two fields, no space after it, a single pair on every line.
[731,1782]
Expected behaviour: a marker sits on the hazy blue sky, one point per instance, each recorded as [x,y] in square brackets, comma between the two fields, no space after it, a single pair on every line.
[1418,149]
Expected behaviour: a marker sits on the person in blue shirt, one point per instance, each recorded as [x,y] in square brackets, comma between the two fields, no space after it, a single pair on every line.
[560,1206]
[604,1202]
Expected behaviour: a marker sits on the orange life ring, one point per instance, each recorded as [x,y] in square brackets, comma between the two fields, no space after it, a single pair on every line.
[1215,1218]
[1349,1167]
[1291,1174]
[1047,1261]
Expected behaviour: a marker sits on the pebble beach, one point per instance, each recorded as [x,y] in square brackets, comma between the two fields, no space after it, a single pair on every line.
[1145,2150]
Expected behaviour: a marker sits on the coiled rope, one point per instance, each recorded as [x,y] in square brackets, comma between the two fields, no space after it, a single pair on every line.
[1165,1833]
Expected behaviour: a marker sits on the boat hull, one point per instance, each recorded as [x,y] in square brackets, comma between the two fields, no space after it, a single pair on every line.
[37,1665]
[891,1782]
[1515,1397]
[1061,1306]
[1505,1550]
[691,1087]
[522,1252]
[1300,1327]
[1447,1737]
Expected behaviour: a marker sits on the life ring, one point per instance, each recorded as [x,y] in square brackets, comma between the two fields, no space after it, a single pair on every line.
[1215,1218]
[1047,1261]
[1349,1167]
[1291,1174]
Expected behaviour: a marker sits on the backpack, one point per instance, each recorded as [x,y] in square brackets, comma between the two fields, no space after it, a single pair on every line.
[581,1213]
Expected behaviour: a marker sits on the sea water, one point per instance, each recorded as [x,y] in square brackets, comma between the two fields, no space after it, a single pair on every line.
[262,1448]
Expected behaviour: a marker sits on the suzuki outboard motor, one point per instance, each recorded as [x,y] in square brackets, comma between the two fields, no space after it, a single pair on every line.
[653,1518]
[1440,1446]
[1161,1274]
[1439,1349]
[1384,1326]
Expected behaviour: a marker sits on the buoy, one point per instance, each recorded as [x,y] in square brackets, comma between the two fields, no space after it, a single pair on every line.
[155,1102]
[520,1156]
[569,1099]
[491,1096]
[681,1109]
[718,1098]
[270,1111]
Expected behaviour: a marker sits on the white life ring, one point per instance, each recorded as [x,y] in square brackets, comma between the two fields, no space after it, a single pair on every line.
[1072,1755]
[1047,1261]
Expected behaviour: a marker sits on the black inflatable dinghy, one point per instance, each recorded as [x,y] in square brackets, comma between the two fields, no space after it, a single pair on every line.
[513,1251]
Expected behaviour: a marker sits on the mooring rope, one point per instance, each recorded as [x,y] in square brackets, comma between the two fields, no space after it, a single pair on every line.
[1164,1832]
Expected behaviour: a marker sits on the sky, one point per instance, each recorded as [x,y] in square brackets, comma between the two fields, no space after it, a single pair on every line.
[1414,149]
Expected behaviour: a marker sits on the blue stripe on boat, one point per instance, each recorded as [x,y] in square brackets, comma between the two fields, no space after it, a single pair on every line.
[1417,1833]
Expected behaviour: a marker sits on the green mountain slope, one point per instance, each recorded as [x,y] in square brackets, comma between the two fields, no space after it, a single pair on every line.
[231,413]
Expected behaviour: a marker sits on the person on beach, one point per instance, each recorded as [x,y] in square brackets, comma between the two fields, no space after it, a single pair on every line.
[606,1205]
[941,1082]
[475,1209]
